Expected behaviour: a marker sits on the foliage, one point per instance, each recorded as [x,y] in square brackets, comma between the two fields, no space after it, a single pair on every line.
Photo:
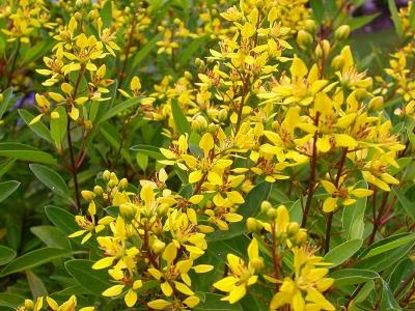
[205,155]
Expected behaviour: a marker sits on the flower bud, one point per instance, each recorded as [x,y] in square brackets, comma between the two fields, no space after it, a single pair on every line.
[293,228]
[338,62]
[342,32]
[199,123]
[127,210]
[98,190]
[252,225]
[301,237]
[223,115]
[272,213]
[123,184]
[88,195]
[304,39]
[106,175]
[322,49]
[265,206]
[376,103]
[212,128]
[310,25]
[158,246]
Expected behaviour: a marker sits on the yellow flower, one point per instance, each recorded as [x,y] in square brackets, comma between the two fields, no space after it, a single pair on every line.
[241,276]
[304,291]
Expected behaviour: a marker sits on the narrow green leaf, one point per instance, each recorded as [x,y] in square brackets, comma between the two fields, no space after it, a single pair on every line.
[36,285]
[11,300]
[115,110]
[62,219]
[191,49]
[183,126]
[7,188]
[390,245]
[411,16]
[51,236]
[405,203]
[149,150]
[6,255]
[317,9]
[58,127]
[5,166]
[81,270]
[342,252]
[33,259]
[39,128]
[50,179]
[353,217]
[388,302]
[6,102]
[106,14]
[353,276]
[25,153]
[395,17]
[361,21]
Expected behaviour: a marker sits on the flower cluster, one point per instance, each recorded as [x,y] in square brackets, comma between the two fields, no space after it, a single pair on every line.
[48,303]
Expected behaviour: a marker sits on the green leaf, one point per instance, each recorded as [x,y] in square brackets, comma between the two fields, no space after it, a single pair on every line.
[50,179]
[149,150]
[5,166]
[58,127]
[213,302]
[82,272]
[39,128]
[395,17]
[33,259]
[6,102]
[111,135]
[407,205]
[36,285]
[142,53]
[40,49]
[317,9]
[106,14]
[25,153]
[7,188]
[11,300]
[353,217]
[6,255]
[388,302]
[115,110]
[51,236]
[183,126]
[342,252]
[62,219]
[191,49]
[361,21]
[411,16]
[390,245]
[353,276]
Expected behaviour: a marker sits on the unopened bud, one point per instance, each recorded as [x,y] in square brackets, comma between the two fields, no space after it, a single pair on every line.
[293,228]
[199,123]
[323,49]
[106,175]
[127,210]
[338,62]
[252,225]
[123,184]
[88,195]
[310,25]
[98,190]
[223,115]
[342,32]
[304,39]
[301,237]
[212,128]
[158,246]
[265,206]
[376,103]
[54,115]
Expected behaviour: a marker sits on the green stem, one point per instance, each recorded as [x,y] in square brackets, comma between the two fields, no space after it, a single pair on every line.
[15,55]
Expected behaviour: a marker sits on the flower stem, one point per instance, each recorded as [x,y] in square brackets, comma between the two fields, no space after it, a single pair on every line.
[15,55]
[312,180]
